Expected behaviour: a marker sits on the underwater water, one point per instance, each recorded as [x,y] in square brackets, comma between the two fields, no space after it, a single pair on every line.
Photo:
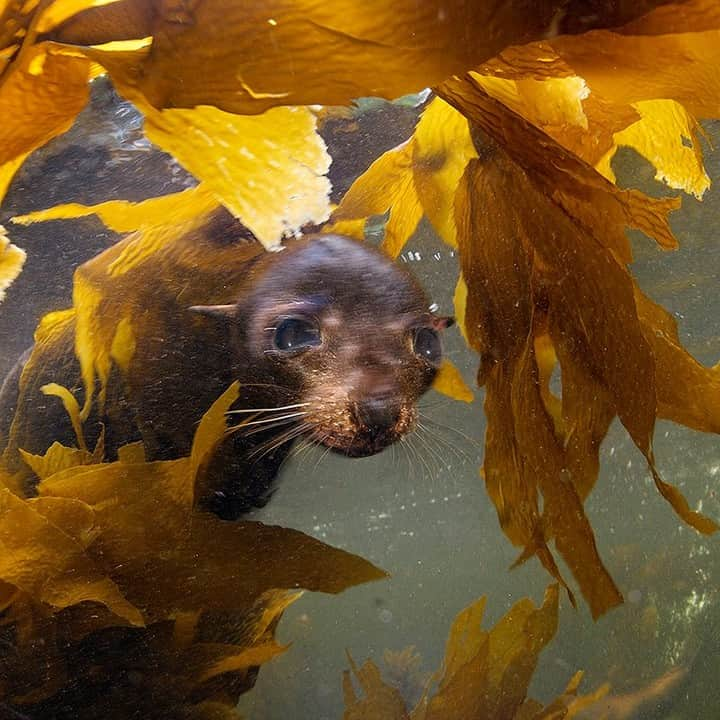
[421,513]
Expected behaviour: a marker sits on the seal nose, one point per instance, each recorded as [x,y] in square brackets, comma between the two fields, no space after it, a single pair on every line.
[378,414]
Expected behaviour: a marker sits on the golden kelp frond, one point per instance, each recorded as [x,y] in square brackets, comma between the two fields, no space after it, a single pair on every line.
[268,170]
[418,177]
[449,382]
[48,565]
[532,266]
[667,135]
[125,217]
[40,95]
[572,183]
[204,595]
[485,674]
[647,84]
[12,259]
[312,53]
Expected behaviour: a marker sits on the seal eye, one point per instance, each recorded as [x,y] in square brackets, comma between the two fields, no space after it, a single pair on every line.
[295,334]
[426,345]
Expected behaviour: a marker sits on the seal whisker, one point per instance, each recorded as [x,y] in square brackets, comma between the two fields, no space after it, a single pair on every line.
[413,442]
[267,410]
[459,452]
[271,421]
[278,440]
[271,425]
[450,428]
[433,460]
[265,421]
[426,438]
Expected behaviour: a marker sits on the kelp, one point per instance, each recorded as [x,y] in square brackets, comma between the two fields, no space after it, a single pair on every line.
[118,593]
[510,162]
[485,673]
[12,258]
[545,282]
[253,60]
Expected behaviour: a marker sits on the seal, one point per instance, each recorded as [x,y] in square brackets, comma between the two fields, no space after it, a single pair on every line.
[331,342]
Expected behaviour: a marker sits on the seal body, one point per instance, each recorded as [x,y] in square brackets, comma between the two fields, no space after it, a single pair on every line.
[332,343]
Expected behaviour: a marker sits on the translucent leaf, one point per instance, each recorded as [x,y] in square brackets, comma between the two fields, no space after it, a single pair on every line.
[40,96]
[211,432]
[442,147]
[206,661]
[419,176]
[123,216]
[313,53]
[388,183]
[48,564]
[668,137]
[56,459]
[378,700]
[450,382]
[12,259]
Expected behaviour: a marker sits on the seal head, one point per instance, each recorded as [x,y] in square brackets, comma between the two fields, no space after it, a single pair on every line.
[346,335]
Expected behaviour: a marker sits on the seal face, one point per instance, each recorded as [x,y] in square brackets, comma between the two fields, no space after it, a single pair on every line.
[349,334]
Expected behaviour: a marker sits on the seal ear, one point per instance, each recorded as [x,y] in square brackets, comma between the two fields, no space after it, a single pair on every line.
[225,312]
[442,323]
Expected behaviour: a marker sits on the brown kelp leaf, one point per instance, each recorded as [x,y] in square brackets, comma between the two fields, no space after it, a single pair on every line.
[687,392]
[117,21]
[679,67]
[76,518]
[688,16]
[485,673]
[57,458]
[157,562]
[378,701]
[51,566]
[493,677]
[524,455]
[466,641]
[211,432]
[40,95]
[204,661]
[12,259]
[450,382]
[313,53]
[575,186]
[60,11]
